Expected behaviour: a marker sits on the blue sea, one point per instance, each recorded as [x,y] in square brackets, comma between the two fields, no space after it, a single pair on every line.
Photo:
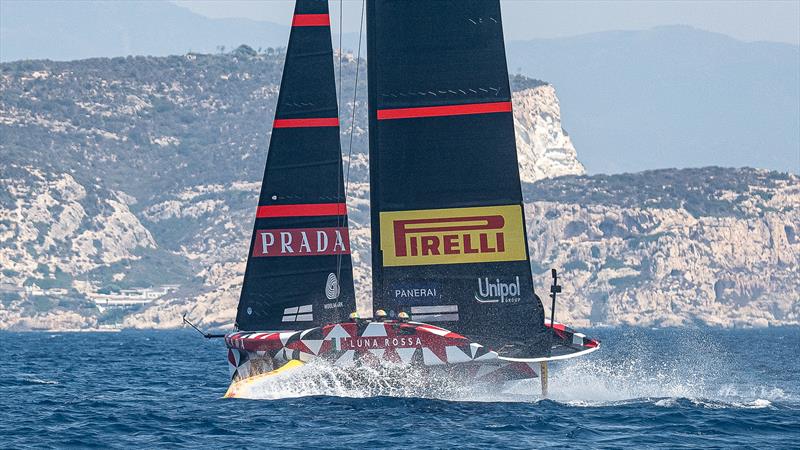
[644,388]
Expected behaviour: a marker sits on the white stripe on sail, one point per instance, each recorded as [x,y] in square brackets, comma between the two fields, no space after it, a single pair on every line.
[434,309]
[435,318]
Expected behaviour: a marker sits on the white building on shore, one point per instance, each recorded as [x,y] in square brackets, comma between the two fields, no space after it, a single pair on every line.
[128,298]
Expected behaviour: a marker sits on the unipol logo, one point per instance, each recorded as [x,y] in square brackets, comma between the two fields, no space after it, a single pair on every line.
[452,236]
[496,291]
[302,242]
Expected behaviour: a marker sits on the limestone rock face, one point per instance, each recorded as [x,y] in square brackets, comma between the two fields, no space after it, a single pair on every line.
[50,225]
[668,259]
[149,175]
[631,250]
[544,149]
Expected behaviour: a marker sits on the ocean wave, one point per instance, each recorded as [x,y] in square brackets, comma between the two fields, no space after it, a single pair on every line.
[385,380]
[38,381]
[758,403]
[642,389]
[695,369]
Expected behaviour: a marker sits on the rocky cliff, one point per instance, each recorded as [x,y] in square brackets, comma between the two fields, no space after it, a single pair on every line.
[671,247]
[544,148]
[135,172]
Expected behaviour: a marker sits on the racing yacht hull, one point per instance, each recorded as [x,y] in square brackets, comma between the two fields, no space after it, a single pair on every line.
[254,356]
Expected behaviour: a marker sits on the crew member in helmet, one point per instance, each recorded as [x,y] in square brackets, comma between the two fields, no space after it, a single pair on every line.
[380,315]
[403,316]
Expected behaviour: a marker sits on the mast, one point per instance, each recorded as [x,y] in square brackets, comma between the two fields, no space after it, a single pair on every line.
[299,271]
[448,232]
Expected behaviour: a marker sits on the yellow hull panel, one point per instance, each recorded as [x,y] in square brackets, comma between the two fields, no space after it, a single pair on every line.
[236,387]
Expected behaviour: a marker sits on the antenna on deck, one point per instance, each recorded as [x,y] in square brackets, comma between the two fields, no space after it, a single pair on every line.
[555,289]
[205,335]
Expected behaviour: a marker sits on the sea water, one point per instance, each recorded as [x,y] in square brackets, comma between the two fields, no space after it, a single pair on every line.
[645,388]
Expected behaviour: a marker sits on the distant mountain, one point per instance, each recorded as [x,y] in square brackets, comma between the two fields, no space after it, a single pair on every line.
[672,97]
[79,29]
[636,100]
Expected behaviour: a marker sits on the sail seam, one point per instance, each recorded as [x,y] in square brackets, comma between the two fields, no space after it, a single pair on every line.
[306,165]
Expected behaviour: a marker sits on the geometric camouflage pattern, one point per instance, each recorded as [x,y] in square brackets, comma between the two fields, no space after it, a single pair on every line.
[569,342]
[410,343]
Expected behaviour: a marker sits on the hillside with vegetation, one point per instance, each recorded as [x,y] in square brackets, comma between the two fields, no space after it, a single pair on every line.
[121,176]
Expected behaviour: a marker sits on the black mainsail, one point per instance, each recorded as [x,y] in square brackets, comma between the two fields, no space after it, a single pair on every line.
[299,272]
[448,232]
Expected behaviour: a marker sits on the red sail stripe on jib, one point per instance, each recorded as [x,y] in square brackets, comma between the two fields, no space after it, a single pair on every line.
[311,20]
[305,123]
[307,210]
[447,110]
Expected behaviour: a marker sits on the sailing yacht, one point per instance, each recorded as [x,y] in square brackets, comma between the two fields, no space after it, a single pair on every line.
[451,277]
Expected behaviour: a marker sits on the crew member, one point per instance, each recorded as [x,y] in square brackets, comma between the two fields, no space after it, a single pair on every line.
[403,316]
[380,315]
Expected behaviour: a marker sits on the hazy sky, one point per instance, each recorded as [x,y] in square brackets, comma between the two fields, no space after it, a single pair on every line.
[774,20]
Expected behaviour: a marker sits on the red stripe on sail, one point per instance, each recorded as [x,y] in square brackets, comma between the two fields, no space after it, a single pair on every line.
[309,210]
[311,20]
[448,110]
[304,123]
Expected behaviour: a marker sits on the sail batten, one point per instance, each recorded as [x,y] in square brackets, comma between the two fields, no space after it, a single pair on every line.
[299,254]
[448,230]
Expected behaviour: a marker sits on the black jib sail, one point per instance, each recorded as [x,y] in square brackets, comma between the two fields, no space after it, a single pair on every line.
[299,272]
[448,231]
